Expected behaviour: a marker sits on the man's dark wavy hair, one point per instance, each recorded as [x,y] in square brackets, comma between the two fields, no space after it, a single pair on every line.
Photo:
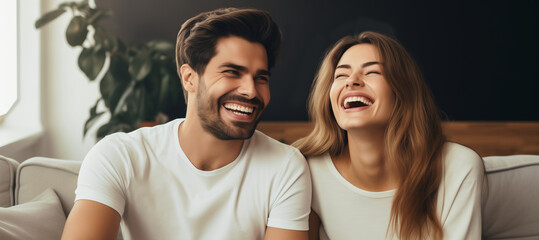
[198,36]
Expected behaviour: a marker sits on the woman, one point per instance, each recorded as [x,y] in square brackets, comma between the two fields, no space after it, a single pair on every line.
[381,167]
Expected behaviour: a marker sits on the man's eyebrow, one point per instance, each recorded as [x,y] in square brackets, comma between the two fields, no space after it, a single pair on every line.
[235,66]
[244,69]
[364,65]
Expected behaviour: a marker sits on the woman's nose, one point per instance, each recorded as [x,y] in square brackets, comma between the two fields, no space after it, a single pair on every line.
[354,80]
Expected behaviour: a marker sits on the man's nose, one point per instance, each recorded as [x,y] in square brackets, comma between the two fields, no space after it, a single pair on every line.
[247,87]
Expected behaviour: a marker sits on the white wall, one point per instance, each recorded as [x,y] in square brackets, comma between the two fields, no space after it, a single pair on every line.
[21,129]
[67,95]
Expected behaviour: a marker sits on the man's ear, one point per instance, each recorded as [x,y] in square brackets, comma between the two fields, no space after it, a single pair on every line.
[189,78]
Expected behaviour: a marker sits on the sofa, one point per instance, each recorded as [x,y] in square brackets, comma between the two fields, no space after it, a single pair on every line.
[37,195]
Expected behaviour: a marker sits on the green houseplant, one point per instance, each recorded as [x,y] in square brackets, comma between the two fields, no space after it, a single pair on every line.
[140,83]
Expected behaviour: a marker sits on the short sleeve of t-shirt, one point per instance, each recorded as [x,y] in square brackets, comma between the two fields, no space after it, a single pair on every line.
[103,174]
[292,204]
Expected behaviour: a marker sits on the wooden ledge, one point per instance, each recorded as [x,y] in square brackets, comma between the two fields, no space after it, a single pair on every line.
[486,138]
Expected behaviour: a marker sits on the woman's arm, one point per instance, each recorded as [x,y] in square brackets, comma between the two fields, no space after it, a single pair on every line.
[314,226]
[464,183]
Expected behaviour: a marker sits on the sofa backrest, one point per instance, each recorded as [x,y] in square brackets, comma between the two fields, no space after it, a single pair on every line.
[8,168]
[510,210]
[37,174]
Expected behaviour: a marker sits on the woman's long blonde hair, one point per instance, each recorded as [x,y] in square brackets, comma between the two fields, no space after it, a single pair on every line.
[413,138]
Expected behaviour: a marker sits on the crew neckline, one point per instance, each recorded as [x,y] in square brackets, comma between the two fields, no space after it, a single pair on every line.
[333,170]
[188,162]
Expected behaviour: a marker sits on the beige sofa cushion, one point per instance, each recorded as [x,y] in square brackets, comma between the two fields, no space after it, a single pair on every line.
[8,168]
[37,174]
[42,218]
[511,208]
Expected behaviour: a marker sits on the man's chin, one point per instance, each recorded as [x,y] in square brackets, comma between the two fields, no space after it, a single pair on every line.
[234,135]
[231,130]
[242,130]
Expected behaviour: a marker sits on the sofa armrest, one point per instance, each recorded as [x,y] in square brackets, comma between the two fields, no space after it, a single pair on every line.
[37,174]
[8,168]
[511,207]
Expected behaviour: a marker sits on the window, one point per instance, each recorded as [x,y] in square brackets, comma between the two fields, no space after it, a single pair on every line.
[8,56]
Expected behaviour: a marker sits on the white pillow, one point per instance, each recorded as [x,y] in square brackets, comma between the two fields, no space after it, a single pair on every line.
[41,218]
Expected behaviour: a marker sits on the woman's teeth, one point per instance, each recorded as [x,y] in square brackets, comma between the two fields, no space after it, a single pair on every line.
[356,101]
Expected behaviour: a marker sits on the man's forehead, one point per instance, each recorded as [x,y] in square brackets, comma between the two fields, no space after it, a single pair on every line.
[233,50]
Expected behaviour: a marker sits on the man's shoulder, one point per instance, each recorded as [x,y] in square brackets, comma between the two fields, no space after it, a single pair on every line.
[137,140]
[154,133]
[263,142]
[263,147]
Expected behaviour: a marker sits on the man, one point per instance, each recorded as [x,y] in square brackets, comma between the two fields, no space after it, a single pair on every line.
[210,175]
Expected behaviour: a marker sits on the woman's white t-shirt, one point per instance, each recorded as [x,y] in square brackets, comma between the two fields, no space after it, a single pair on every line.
[347,212]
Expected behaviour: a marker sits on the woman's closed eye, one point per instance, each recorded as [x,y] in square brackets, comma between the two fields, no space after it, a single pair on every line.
[373,72]
[341,76]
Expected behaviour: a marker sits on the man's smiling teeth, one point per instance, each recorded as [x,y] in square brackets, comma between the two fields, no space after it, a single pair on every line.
[238,109]
[356,101]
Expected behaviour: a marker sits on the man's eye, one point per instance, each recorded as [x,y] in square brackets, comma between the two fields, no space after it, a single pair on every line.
[262,79]
[231,72]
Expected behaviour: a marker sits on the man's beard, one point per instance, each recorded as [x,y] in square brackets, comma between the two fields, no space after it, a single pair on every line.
[208,110]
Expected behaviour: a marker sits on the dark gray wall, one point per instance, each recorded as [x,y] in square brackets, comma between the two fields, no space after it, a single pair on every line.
[480,59]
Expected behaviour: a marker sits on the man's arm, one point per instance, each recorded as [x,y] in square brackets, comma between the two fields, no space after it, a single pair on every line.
[285,234]
[91,220]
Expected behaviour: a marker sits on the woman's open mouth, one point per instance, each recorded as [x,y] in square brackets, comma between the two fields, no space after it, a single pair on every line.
[356,102]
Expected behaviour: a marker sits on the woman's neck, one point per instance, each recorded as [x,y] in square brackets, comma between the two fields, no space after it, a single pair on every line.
[363,162]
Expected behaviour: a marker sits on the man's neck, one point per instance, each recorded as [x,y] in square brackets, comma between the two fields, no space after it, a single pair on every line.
[205,151]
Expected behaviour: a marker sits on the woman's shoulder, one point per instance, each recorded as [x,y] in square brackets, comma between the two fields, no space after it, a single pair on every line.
[461,159]
[319,162]
[456,150]
[319,159]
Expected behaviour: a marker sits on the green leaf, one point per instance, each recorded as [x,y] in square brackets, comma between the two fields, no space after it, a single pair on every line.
[95,15]
[173,103]
[83,4]
[161,46]
[84,9]
[164,88]
[94,116]
[122,106]
[112,127]
[47,17]
[119,45]
[112,89]
[101,38]
[91,61]
[141,105]
[140,65]
[119,68]
[76,31]
[68,5]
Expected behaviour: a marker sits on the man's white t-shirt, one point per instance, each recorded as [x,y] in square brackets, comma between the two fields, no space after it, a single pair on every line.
[146,177]
[348,212]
